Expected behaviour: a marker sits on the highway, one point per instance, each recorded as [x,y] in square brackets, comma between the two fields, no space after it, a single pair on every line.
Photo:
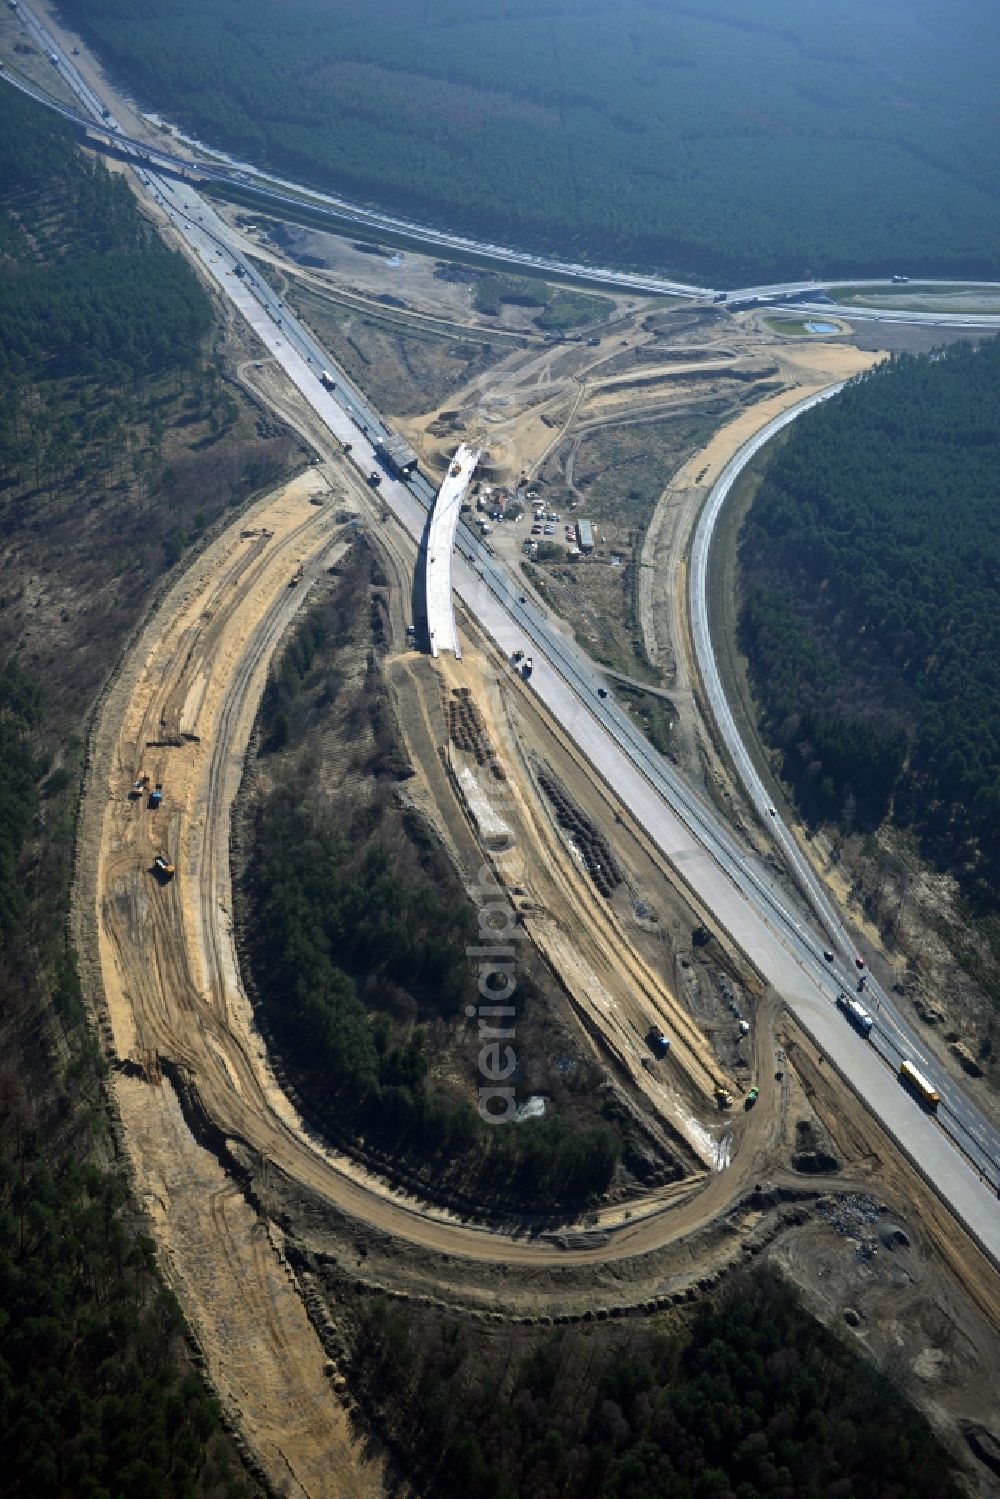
[764,920]
[277,192]
[892,1037]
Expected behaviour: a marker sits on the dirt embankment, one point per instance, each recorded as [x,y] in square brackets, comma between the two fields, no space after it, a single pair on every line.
[181,712]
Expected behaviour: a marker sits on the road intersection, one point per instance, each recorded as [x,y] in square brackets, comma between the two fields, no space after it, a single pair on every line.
[779,937]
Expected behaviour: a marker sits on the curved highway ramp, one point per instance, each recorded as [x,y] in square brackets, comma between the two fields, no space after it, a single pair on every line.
[441,626]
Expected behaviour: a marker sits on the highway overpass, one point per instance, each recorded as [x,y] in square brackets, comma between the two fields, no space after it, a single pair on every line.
[441,628]
[763,918]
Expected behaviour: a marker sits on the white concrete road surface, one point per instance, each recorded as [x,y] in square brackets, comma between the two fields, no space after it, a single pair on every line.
[892,1036]
[780,939]
[441,628]
[742,895]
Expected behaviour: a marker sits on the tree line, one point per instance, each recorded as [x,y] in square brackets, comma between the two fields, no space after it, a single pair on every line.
[97,1395]
[870,565]
[750,1399]
[356,936]
[86,280]
[609,129]
[120,440]
[94,1399]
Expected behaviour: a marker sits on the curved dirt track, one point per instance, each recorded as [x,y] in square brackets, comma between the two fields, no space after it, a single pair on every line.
[182,711]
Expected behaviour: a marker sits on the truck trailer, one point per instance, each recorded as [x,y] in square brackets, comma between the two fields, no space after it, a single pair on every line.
[856,1014]
[917,1083]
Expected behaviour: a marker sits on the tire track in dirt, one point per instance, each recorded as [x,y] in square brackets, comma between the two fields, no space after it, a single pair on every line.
[172,990]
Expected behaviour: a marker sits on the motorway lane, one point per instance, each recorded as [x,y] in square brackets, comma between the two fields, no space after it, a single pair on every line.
[773,936]
[704,859]
[786,951]
[227,169]
[892,1036]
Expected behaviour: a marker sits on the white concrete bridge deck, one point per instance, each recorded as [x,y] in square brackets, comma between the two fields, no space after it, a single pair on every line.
[440,548]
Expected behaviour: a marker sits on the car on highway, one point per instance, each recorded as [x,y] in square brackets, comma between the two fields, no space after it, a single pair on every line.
[771,812]
[859,962]
[828,955]
[602,692]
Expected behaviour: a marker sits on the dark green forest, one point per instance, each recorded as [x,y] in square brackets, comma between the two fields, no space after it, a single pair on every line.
[357,929]
[751,1399]
[86,282]
[98,1396]
[710,138]
[871,606]
[120,440]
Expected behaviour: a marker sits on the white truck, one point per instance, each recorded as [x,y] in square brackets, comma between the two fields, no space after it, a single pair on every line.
[856,1014]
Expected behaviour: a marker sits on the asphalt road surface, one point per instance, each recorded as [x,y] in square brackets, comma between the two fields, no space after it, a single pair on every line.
[778,937]
[891,1036]
[221,167]
[782,940]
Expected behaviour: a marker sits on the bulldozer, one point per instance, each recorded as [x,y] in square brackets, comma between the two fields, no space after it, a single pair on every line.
[163,867]
[723,1097]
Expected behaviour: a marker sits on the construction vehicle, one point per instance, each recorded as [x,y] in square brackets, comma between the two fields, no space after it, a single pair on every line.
[723,1097]
[139,785]
[658,1043]
[163,867]
[374,479]
[156,796]
[517,657]
[327,380]
[925,1091]
[527,668]
[295,579]
[751,1098]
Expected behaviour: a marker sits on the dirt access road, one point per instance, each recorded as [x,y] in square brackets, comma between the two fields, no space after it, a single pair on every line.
[180,1028]
[181,711]
[184,707]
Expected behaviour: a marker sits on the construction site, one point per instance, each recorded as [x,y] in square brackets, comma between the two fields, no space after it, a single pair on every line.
[742,1144]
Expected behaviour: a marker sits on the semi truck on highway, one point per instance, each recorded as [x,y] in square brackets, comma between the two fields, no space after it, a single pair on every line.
[326,379]
[856,1014]
[915,1080]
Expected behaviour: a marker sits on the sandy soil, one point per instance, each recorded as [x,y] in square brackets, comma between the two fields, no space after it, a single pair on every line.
[181,1030]
[197,1097]
[169,983]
